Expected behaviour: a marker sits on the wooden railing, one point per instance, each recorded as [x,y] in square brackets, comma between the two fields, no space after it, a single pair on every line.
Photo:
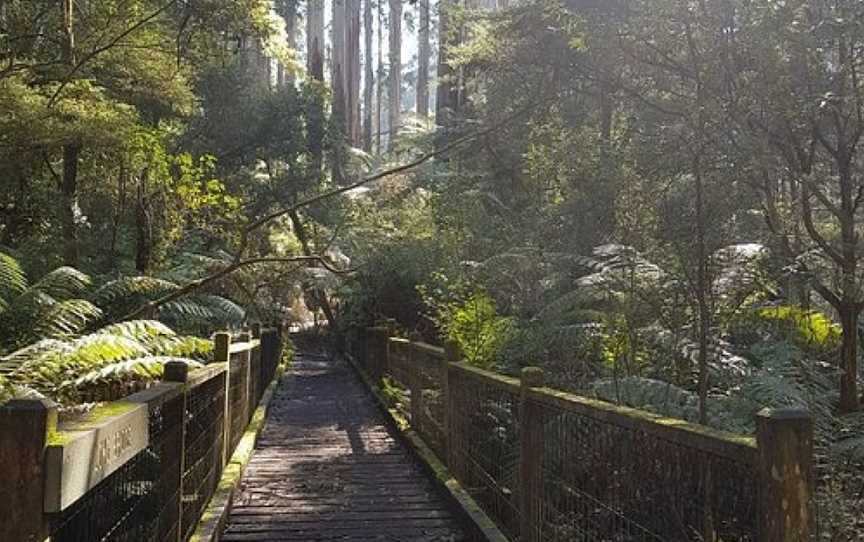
[142,468]
[551,466]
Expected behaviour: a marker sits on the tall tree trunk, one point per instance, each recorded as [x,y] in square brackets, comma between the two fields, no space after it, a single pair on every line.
[352,66]
[379,101]
[288,11]
[70,210]
[338,56]
[395,95]
[447,103]
[71,155]
[315,39]
[423,55]
[143,227]
[315,67]
[369,77]
[338,81]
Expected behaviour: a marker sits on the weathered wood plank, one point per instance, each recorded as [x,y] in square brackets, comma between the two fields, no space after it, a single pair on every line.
[327,468]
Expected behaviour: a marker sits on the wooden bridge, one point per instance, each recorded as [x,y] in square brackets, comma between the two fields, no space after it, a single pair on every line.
[327,467]
[390,440]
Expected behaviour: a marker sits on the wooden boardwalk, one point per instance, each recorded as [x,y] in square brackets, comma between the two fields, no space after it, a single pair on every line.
[327,468]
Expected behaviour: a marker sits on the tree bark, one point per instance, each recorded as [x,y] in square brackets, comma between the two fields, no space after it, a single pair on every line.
[447,103]
[315,67]
[71,154]
[318,294]
[849,400]
[379,101]
[70,210]
[369,78]
[315,39]
[395,95]
[423,55]
[352,75]
[288,11]
[143,228]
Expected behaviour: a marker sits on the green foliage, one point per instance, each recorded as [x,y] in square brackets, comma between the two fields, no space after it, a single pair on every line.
[468,317]
[124,353]
[807,328]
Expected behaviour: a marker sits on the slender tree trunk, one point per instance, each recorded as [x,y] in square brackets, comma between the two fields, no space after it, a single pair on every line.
[849,400]
[338,78]
[702,285]
[319,295]
[71,155]
[352,64]
[315,68]
[288,11]
[395,95]
[143,227]
[369,77]
[315,39]
[70,210]
[338,59]
[379,101]
[423,55]
[447,103]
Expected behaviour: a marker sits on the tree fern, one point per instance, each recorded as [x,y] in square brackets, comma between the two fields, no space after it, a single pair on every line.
[137,369]
[130,349]
[12,280]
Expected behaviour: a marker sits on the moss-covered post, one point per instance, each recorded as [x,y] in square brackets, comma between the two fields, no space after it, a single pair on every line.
[451,355]
[455,413]
[222,354]
[785,442]
[246,357]
[257,370]
[25,428]
[530,457]
[416,385]
[178,372]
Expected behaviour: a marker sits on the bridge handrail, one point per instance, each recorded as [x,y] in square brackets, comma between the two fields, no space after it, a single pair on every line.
[146,464]
[551,465]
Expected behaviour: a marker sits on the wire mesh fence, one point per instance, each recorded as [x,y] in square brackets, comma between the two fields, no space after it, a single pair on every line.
[140,500]
[550,466]
[238,396]
[161,493]
[484,448]
[204,433]
[609,478]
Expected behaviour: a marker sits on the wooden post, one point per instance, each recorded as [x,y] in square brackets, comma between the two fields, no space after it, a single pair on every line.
[785,441]
[221,354]
[454,425]
[416,385]
[451,355]
[25,428]
[258,384]
[530,458]
[246,356]
[178,372]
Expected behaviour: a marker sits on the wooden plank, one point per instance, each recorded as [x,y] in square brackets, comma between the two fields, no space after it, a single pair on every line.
[327,468]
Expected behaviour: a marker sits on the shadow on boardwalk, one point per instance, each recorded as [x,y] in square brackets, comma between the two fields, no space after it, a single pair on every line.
[327,468]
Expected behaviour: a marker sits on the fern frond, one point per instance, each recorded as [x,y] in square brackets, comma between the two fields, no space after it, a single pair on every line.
[62,283]
[146,368]
[185,347]
[126,288]
[140,330]
[13,281]
[66,318]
